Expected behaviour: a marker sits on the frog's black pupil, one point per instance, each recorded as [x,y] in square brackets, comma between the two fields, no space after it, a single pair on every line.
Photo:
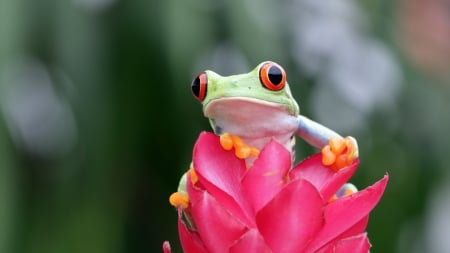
[275,75]
[195,86]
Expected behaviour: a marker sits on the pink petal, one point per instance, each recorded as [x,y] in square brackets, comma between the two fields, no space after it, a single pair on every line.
[292,218]
[217,228]
[166,247]
[267,176]
[326,249]
[219,172]
[344,213]
[323,178]
[252,241]
[357,229]
[190,241]
[355,244]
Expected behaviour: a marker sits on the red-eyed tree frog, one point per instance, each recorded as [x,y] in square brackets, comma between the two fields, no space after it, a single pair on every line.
[258,106]
[248,110]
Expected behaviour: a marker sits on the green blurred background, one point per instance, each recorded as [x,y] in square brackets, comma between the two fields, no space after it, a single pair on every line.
[97,120]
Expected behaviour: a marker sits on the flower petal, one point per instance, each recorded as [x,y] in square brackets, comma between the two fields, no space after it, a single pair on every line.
[252,241]
[190,241]
[217,228]
[267,176]
[344,213]
[166,247]
[219,172]
[322,177]
[357,229]
[292,218]
[355,244]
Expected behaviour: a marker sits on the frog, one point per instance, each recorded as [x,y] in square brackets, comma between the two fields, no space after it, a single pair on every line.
[249,110]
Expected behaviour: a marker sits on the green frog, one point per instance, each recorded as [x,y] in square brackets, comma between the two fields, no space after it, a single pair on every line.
[248,110]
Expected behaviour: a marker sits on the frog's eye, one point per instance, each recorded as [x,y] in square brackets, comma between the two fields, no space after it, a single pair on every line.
[199,86]
[272,76]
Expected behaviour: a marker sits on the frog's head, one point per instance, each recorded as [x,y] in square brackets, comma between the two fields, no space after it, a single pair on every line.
[264,87]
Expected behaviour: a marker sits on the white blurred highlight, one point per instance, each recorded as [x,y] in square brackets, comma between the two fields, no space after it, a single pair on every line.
[40,121]
[438,219]
[354,72]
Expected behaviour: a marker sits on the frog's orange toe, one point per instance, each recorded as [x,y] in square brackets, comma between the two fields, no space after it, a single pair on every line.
[337,145]
[179,200]
[254,152]
[243,152]
[226,141]
[352,148]
[328,157]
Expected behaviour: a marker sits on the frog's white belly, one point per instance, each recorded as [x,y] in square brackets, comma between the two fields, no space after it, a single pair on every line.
[253,120]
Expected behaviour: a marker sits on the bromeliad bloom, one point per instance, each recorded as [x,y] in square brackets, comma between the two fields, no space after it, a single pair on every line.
[271,206]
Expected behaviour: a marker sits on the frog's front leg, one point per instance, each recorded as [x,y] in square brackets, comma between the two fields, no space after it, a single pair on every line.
[337,152]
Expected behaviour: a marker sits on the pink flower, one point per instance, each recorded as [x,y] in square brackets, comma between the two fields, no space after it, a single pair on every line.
[271,207]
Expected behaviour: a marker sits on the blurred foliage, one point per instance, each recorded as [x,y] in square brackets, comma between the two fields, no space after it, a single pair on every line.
[98,122]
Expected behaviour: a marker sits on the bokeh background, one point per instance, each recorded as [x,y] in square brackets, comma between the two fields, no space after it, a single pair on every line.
[97,120]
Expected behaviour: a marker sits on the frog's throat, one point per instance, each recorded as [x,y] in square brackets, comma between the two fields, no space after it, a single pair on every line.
[235,103]
[255,121]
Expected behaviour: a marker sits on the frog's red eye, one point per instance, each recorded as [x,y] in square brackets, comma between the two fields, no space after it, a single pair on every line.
[199,86]
[272,76]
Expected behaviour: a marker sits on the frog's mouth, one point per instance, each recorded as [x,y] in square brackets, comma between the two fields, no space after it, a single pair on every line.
[250,117]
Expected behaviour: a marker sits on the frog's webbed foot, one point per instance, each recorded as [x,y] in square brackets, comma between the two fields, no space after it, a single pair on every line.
[340,152]
[180,198]
[346,190]
[241,150]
